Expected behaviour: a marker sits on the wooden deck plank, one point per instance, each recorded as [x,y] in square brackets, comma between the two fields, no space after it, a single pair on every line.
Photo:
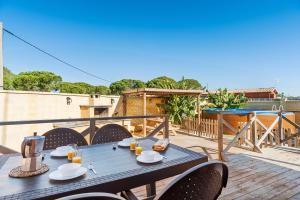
[251,184]
[295,197]
[249,173]
[281,187]
[289,193]
[274,174]
[271,190]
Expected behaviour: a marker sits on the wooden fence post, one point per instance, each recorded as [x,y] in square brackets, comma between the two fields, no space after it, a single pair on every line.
[254,133]
[220,137]
[280,127]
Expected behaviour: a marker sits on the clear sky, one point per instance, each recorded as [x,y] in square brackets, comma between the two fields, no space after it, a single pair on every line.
[233,44]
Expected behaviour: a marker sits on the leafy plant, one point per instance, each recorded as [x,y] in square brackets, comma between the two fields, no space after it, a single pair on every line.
[179,107]
[223,99]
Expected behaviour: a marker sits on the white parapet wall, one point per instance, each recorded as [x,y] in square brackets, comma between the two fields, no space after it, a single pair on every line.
[27,105]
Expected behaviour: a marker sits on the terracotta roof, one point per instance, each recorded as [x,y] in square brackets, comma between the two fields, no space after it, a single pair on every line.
[249,90]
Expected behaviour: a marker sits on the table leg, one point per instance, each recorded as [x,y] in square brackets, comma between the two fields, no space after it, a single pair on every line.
[151,189]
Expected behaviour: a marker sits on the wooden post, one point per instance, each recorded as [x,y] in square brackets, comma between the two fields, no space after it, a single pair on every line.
[151,189]
[289,133]
[92,129]
[199,114]
[124,101]
[1,57]
[144,113]
[166,127]
[254,132]
[280,128]
[220,137]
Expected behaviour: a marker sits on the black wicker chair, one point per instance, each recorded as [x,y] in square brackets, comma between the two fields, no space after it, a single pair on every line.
[62,136]
[202,182]
[110,133]
[93,195]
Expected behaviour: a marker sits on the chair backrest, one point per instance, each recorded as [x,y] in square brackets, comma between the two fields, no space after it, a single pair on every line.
[61,137]
[93,195]
[202,182]
[110,133]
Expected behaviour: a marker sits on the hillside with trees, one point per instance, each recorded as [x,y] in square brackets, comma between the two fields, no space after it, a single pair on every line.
[45,81]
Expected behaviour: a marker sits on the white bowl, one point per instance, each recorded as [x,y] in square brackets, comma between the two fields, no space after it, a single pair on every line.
[149,155]
[69,168]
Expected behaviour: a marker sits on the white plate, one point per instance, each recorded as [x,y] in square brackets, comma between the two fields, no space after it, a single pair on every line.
[125,142]
[56,175]
[156,159]
[61,151]
[57,153]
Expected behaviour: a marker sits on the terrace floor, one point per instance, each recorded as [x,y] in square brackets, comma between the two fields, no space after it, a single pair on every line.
[273,174]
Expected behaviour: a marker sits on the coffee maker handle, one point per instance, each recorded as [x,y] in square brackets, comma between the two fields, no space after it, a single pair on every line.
[23,146]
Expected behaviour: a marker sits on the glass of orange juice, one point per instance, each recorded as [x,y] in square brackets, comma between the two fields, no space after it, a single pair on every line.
[72,151]
[71,154]
[132,145]
[138,150]
[78,157]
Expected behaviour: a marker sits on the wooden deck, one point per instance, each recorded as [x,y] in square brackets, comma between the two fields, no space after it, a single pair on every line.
[273,174]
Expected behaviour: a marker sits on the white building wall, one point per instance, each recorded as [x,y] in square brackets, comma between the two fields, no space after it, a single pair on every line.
[23,105]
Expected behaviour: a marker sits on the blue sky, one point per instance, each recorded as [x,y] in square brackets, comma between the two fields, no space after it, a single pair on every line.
[233,44]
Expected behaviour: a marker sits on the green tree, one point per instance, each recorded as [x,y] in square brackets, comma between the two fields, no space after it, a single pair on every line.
[163,82]
[85,87]
[36,81]
[66,87]
[120,86]
[101,89]
[188,84]
[223,99]
[7,79]
[81,88]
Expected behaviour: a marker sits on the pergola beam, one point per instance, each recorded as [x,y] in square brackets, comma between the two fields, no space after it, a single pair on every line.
[162,92]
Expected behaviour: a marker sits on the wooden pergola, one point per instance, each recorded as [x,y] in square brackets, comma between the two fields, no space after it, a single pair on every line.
[155,92]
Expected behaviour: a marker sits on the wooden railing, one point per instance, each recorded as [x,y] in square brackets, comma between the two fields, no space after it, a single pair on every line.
[272,139]
[91,124]
[202,127]
[255,135]
[252,135]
